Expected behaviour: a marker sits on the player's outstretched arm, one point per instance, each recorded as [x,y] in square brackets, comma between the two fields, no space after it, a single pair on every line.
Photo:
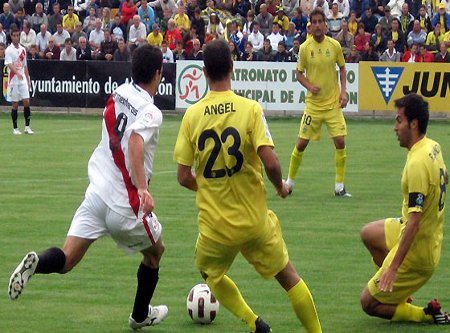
[186,177]
[273,169]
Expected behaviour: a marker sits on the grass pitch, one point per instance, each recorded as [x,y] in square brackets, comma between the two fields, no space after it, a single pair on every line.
[43,179]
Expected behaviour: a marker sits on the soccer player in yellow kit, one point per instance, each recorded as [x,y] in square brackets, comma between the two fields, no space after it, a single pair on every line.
[407,250]
[318,56]
[225,138]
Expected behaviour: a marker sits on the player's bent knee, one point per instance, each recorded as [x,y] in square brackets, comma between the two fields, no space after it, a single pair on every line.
[368,303]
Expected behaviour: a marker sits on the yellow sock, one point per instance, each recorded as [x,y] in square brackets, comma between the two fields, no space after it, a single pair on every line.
[230,297]
[340,158]
[304,307]
[296,161]
[409,312]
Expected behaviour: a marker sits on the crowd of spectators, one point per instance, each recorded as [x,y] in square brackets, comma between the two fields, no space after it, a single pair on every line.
[256,30]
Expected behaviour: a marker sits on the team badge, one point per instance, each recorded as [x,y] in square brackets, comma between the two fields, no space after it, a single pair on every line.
[327,52]
[419,200]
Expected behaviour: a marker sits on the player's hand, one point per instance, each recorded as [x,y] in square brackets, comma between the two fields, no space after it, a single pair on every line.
[283,191]
[343,99]
[386,281]
[147,203]
[314,89]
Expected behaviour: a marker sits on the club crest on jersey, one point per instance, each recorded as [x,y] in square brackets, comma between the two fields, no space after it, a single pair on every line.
[312,54]
[419,200]
[327,53]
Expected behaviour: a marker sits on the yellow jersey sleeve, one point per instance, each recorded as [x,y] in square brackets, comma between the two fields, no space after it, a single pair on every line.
[184,149]
[418,184]
[260,133]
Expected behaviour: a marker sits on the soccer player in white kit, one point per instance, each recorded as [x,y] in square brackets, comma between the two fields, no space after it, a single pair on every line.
[19,83]
[117,201]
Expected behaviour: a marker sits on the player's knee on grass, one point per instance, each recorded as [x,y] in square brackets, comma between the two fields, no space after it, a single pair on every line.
[368,303]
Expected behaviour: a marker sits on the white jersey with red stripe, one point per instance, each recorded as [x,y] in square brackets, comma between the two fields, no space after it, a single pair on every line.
[18,57]
[129,109]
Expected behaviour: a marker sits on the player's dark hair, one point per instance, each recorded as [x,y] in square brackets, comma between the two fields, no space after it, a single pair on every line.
[317,11]
[415,108]
[146,60]
[217,60]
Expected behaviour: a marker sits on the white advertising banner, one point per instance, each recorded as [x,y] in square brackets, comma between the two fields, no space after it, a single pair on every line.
[272,84]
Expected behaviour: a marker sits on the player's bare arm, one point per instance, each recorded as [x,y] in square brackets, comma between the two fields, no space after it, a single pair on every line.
[343,78]
[186,177]
[136,154]
[305,83]
[411,229]
[15,71]
[273,170]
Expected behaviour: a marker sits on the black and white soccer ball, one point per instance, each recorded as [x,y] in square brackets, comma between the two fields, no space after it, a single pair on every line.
[201,304]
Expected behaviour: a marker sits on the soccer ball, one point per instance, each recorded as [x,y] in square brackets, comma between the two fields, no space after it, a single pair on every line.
[201,304]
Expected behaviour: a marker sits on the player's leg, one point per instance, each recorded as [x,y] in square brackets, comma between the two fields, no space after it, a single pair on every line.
[310,126]
[379,237]
[52,260]
[147,278]
[14,116]
[337,130]
[394,305]
[300,297]
[213,261]
[396,312]
[27,116]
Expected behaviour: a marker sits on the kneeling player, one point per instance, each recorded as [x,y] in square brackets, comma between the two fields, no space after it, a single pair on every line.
[407,250]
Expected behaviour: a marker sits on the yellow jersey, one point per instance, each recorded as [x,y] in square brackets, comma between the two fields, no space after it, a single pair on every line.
[70,22]
[182,22]
[219,136]
[155,40]
[423,189]
[319,60]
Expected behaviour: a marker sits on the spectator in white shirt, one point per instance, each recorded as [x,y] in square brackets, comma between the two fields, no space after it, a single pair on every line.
[166,52]
[343,7]
[27,36]
[256,38]
[42,39]
[96,37]
[322,4]
[138,33]
[60,36]
[2,35]
[275,37]
[68,53]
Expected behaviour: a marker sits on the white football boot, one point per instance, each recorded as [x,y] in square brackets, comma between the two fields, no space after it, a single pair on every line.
[16,131]
[22,275]
[28,130]
[156,314]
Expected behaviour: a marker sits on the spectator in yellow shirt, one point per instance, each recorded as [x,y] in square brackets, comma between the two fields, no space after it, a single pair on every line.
[182,21]
[155,37]
[70,20]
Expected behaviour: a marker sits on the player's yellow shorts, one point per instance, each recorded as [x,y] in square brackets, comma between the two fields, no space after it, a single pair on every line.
[392,231]
[407,281]
[268,253]
[311,123]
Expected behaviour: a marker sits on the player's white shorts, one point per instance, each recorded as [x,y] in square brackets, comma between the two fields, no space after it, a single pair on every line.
[18,92]
[95,219]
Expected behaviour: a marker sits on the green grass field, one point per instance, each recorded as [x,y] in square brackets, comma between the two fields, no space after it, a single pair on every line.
[43,179]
